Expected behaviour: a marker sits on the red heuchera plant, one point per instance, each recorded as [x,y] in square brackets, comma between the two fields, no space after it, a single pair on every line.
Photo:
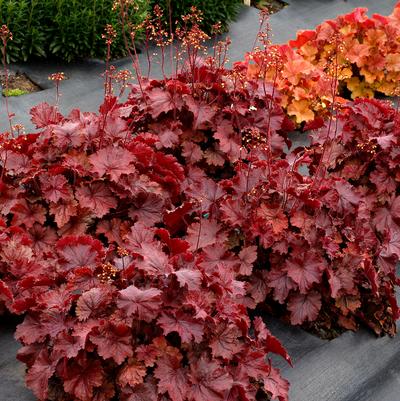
[312,241]
[363,150]
[331,207]
[125,291]
[130,290]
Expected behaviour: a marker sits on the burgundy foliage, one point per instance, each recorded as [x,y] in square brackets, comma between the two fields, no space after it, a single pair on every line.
[129,290]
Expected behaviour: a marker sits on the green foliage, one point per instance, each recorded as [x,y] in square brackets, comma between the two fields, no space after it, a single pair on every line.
[65,29]
[14,92]
[214,11]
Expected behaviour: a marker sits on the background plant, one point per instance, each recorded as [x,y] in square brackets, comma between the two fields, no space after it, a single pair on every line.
[213,11]
[63,29]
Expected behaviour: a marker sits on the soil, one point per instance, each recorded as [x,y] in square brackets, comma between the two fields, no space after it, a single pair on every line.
[18,81]
[272,5]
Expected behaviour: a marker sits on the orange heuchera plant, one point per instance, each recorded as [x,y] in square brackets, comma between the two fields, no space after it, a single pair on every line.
[369,59]
[353,54]
[304,87]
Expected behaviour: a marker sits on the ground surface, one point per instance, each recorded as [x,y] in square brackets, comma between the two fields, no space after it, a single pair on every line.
[353,367]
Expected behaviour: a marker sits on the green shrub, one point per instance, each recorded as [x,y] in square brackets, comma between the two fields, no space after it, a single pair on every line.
[65,29]
[14,92]
[214,11]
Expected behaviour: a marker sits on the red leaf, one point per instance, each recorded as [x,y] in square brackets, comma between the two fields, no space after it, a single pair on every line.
[147,208]
[306,270]
[276,385]
[155,261]
[13,251]
[384,217]
[341,280]
[207,192]
[8,198]
[16,162]
[202,234]
[188,328]
[89,303]
[132,374]
[225,343]
[168,137]
[54,187]
[145,304]
[63,211]
[5,292]
[30,331]
[37,378]
[234,212]
[202,113]
[68,346]
[80,251]
[347,195]
[229,140]
[214,157]
[59,299]
[258,288]
[210,381]
[68,133]
[139,236]
[372,276]
[304,307]
[383,181]
[247,257]
[191,152]
[114,230]
[174,218]
[81,376]
[113,161]
[176,246]
[77,225]
[275,217]
[113,341]
[162,101]
[392,245]
[43,238]
[302,38]
[142,392]
[279,280]
[173,378]
[96,197]
[254,364]
[318,122]
[28,213]
[44,115]
[191,278]
[272,344]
